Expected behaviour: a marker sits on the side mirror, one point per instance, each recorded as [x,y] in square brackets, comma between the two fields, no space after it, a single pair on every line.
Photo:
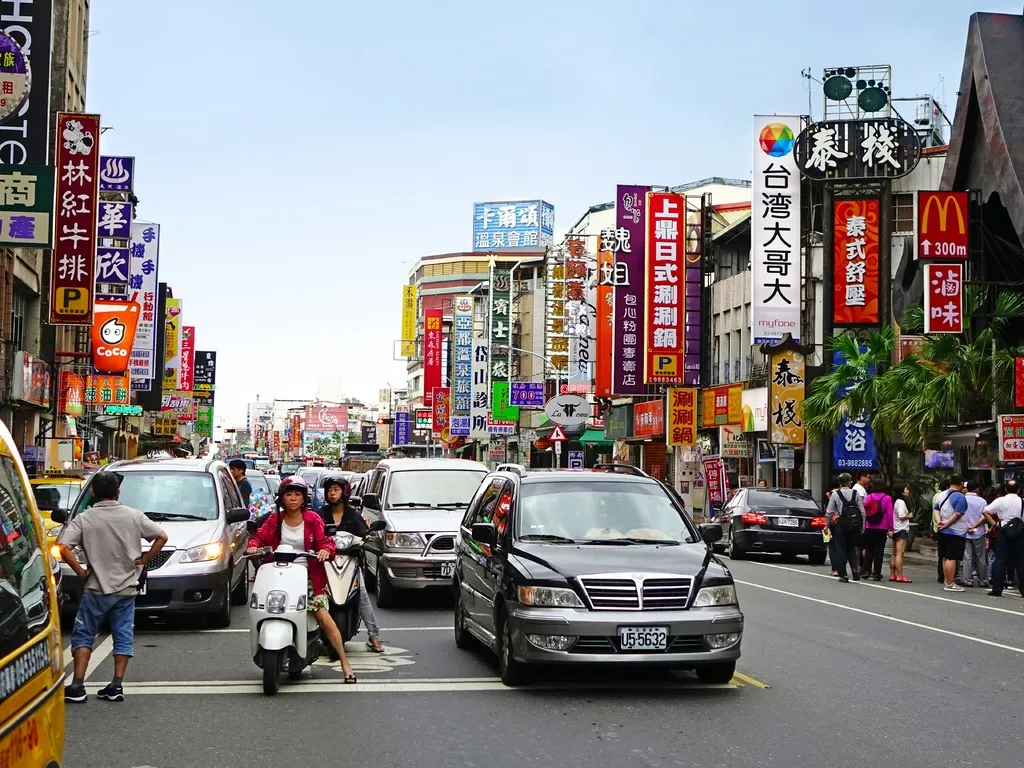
[237,515]
[711,532]
[371,501]
[59,516]
[251,526]
[331,530]
[485,533]
[355,501]
[378,525]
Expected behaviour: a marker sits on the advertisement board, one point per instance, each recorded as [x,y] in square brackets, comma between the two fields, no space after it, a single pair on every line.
[665,275]
[143,271]
[855,254]
[326,418]
[1011,438]
[513,225]
[172,346]
[113,334]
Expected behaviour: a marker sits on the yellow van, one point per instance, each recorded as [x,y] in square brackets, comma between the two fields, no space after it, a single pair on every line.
[31,657]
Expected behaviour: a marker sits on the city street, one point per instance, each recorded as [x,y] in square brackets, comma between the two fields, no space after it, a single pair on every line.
[831,674]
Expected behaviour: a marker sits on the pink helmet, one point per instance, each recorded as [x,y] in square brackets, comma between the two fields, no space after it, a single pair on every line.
[293,482]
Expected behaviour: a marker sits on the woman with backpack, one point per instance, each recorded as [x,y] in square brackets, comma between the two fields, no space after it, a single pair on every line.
[878,524]
[845,514]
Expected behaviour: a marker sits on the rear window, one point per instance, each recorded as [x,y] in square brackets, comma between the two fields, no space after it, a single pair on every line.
[166,493]
[791,499]
[68,492]
[310,475]
[258,481]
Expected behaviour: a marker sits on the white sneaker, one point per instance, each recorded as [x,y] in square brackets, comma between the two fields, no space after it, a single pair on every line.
[954,588]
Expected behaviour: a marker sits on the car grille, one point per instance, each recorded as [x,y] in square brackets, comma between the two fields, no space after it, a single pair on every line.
[612,594]
[442,543]
[666,594]
[676,644]
[159,559]
[656,594]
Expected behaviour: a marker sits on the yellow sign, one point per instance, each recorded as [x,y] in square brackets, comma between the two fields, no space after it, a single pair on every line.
[73,301]
[408,321]
[666,366]
[942,205]
[786,390]
[172,344]
[682,417]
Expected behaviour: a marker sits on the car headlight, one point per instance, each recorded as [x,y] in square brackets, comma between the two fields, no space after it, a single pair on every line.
[549,597]
[394,540]
[276,601]
[711,596]
[203,553]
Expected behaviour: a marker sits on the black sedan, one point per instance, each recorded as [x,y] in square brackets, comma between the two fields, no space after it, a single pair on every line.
[781,520]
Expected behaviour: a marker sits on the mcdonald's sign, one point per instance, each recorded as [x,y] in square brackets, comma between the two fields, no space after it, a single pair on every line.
[943,225]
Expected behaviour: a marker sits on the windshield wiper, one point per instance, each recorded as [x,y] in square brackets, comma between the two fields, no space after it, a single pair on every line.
[550,537]
[425,504]
[616,542]
[451,504]
[174,516]
[637,540]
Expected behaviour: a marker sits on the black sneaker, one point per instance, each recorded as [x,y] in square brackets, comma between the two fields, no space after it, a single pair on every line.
[112,693]
[75,693]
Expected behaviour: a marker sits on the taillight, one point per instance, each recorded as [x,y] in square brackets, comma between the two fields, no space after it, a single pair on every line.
[817,522]
[754,518]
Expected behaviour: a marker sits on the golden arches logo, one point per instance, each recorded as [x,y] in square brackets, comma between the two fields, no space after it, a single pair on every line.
[943,206]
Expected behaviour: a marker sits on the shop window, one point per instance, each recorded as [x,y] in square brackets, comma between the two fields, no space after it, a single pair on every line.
[19,310]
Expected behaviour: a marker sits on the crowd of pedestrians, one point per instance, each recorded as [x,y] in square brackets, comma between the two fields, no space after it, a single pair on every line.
[979,533]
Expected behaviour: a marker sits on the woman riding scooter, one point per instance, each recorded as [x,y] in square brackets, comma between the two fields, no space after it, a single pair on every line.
[300,527]
[336,511]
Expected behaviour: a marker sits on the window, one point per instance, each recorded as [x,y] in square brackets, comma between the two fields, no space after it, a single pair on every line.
[232,499]
[433,488]
[24,581]
[903,213]
[165,493]
[484,505]
[376,482]
[19,310]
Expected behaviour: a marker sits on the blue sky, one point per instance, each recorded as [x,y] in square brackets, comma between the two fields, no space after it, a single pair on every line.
[302,155]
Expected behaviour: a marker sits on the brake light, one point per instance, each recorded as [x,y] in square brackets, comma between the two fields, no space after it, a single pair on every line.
[818,522]
[754,518]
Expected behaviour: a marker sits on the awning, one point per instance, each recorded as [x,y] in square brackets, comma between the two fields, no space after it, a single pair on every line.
[596,437]
[965,438]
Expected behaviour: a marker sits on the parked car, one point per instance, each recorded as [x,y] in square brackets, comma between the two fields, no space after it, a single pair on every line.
[581,568]
[53,492]
[422,501]
[258,480]
[200,570]
[274,481]
[783,520]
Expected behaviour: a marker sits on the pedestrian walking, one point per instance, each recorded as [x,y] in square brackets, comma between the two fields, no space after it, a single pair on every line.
[845,514]
[878,524]
[950,516]
[975,558]
[110,534]
[833,486]
[237,467]
[1006,515]
[901,517]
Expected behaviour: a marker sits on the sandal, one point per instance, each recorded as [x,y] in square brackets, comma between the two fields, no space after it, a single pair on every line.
[379,648]
[905,580]
[350,679]
[893,578]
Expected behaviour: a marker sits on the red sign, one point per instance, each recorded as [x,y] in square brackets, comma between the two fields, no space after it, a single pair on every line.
[943,230]
[71,398]
[649,418]
[113,333]
[715,479]
[1018,382]
[1011,437]
[605,318]
[440,397]
[558,434]
[296,432]
[107,390]
[72,269]
[277,441]
[943,298]
[431,353]
[855,242]
[326,418]
[666,265]
[188,358]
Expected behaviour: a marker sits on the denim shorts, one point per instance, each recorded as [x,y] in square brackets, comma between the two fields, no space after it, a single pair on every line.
[120,609]
[904,535]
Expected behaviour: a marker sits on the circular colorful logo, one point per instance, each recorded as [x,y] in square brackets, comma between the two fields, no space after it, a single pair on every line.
[777,139]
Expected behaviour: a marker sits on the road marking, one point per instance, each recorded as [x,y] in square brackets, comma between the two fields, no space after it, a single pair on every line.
[897,590]
[751,681]
[99,654]
[157,633]
[363,659]
[884,616]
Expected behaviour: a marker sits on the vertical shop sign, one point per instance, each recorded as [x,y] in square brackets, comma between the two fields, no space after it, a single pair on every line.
[665,276]
[604,319]
[117,174]
[188,357]
[853,446]
[787,388]
[204,376]
[462,397]
[580,289]
[143,272]
[112,271]
[556,340]
[24,139]
[431,353]
[715,479]
[481,391]
[172,346]
[114,220]
[503,414]
[682,417]
[627,241]
[408,321]
[855,254]
[73,268]
[403,419]
[1018,382]
[943,298]
[442,412]
[296,432]
[775,240]
[691,302]
[26,205]
[723,405]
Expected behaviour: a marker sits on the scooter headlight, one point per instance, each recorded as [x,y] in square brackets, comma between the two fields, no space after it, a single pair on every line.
[276,601]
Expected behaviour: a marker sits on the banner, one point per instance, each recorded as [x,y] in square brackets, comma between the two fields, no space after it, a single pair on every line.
[408,321]
[26,206]
[172,346]
[943,298]
[682,417]
[628,282]
[432,336]
[501,332]
[113,334]
[715,479]
[441,413]
[481,392]
[853,446]
[605,320]
[73,262]
[143,272]
[188,353]
[462,397]
[787,388]
[649,418]
[580,295]
[107,390]
[855,256]
[665,274]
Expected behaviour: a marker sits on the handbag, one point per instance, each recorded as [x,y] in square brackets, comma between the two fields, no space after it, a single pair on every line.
[1014,527]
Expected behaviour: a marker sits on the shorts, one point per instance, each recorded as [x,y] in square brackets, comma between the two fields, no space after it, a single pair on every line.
[93,609]
[952,547]
[900,535]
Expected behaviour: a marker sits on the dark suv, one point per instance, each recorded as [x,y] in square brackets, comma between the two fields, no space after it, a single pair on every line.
[571,567]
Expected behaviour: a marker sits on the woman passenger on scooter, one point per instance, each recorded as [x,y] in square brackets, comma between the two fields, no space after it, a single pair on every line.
[300,527]
[336,511]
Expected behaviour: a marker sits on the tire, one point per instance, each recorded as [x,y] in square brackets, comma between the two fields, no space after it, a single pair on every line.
[718,673]
[221,617]
[817,558]
[240,594]
[735,552]
[340,616]
[271,672]
[463,639]
[294,674]
[513,673]
[385,592]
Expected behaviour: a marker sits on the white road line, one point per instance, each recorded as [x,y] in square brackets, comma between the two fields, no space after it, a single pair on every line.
[897,590]
[99,654]
[158,633]
[884,616]
[319,680]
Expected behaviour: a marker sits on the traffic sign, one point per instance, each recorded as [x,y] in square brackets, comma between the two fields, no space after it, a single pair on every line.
[558,434]
[943,225]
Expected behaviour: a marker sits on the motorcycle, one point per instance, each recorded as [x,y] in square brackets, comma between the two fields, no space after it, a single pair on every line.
[343,576]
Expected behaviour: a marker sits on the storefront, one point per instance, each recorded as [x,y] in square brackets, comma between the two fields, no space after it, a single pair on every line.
[649,434]
[30,391]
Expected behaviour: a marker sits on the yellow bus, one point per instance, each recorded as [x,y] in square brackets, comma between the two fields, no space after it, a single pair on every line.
[31,657]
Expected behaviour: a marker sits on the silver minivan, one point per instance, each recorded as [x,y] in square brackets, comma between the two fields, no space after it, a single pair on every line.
[200,570]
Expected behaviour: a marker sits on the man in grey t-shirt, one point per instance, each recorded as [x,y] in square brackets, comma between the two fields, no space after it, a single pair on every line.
[111,535]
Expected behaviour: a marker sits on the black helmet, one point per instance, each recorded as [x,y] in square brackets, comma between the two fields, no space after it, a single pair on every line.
[340,480]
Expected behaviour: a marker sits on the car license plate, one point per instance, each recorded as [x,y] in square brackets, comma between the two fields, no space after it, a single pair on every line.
[643,638]
[789,522]
[447,570]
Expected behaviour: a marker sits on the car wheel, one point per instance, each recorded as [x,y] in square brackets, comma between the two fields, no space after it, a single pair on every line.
[271,672]
[735,552]
[462,637]
[385,592]
[817,558]
[222,616]
[512,672]
[240,594]
[718,673]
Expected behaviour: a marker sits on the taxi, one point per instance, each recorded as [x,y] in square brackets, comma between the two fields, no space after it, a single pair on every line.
[67,486]
[31,655]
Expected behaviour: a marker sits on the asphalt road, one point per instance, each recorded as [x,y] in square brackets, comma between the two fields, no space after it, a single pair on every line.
[831,675]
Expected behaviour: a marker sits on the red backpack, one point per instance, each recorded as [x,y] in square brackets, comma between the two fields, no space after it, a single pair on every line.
[873,509]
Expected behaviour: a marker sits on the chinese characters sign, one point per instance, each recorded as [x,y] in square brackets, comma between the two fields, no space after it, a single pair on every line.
[204,376]
[942,225]
[107,390]
[855,256]
[165,426]
[481,391]
[853,446]
[402,429]
[26,205]
[775,237]
[112,273]
[858,150]
[15,74]
[1011,438]
[513,225]
[114,220]
[117,174]
[441,412]
[408,321]
[627,242]
[326,418]
[501,333]
[188,355]
[462,397]
[649,418]
[142,277]
[723,405]
[432,334]
[666,288]
[527,394]
[787,385]
[71,397]
[172,345]
[580,296]
[556,338]
[72,270]
[682,417]
[716,479]
[204,421]
[604,320]
[943,298]
[694,286]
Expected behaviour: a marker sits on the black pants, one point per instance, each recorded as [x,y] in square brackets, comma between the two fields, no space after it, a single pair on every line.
[846,550]
[873,544]
[1009,557]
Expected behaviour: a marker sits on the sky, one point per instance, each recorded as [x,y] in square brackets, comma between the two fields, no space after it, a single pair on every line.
[301,156]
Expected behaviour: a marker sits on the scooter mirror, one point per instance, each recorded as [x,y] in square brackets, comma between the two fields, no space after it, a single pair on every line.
[378,525]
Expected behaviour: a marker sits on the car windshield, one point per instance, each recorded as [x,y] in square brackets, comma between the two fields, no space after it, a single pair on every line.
[189,494]
[601,511]
[258,481]
[68,492]
[780,498]
[310,475]
[433,488]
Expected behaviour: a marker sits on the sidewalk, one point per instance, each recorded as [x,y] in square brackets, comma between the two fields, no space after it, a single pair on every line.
[925,552]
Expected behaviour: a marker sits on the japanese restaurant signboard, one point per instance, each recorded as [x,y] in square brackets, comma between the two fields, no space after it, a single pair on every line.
[943,298]
[858,150]
[665,274]
[72,269]
[855,255]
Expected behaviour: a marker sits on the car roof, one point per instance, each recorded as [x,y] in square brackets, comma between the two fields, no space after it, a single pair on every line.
[403,465]
[574,476]
[170,465]
[254,472]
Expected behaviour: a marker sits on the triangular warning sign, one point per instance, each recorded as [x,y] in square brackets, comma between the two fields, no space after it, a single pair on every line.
[558,435]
